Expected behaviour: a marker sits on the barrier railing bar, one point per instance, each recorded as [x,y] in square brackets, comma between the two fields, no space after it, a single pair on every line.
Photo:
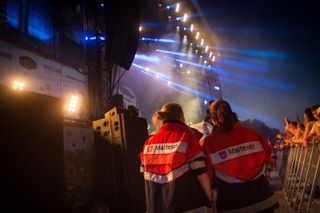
[300,180]
[306,180]
[314,182]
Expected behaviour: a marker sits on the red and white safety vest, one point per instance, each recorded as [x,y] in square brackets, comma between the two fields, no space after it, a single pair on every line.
[239,153]
[169,157]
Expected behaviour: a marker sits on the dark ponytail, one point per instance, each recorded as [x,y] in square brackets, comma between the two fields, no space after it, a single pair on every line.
[222,115]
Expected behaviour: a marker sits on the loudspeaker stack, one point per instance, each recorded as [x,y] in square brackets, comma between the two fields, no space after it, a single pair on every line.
[119,138]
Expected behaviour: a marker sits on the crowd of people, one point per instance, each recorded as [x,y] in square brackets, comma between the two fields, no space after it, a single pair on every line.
[303,132]
[183,167]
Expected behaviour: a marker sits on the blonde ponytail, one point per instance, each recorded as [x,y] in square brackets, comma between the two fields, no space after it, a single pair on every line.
[169,111]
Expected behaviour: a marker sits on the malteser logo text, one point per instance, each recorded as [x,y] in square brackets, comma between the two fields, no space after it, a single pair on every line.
[165,148]
[241,149]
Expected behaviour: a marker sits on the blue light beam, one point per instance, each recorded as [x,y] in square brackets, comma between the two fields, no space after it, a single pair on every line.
[163,40]
[153,59]
[175,53]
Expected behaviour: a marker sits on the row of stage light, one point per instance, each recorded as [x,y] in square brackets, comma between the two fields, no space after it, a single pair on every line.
[207,51]
[71,105]
[228,76]
[204,65]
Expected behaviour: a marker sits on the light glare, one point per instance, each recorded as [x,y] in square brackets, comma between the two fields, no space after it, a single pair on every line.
[177,7]
[185,17]
[72,105]
[18,85]
[191,28]
[197,35]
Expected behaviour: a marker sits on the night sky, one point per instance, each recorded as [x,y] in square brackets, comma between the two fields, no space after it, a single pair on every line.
[269,56]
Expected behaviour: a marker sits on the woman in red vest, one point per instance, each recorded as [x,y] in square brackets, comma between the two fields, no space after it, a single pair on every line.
[174,166]
[237,157]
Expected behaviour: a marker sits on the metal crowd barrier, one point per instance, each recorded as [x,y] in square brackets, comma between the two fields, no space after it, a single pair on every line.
[302,177]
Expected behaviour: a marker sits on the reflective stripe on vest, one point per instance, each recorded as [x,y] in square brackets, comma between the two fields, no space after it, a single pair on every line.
[236,151]
[167,177]
[195,163]
[229,179]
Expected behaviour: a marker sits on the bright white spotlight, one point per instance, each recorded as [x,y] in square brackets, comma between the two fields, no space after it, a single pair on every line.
[197,35]
[217,88]
[169,17]
[210,54]
[168,82]
[191,27]
[15,85]
[190,44]
[157,76]
[19,85]
[72,105]
[181,65]
[207,47]
[202,41]
[177,8]
[205,62]
[147,69]
[213,58]
[185,17]
[140,29]
[188,71]
[201,56]
[196,51]
[205,102]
